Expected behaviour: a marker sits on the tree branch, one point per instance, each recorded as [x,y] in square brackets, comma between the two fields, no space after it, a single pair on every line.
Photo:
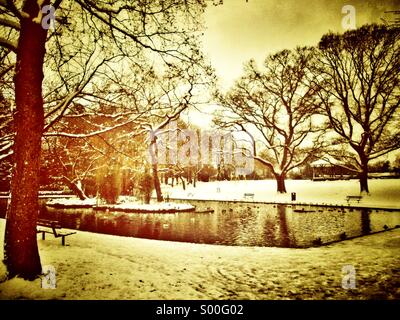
[9,23]
[8,44]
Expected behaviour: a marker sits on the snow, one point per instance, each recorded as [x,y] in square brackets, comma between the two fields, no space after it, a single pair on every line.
[98,266]
[127,206]
[384,193]
[89,134]
[52,193]
[325,162]
[5,148]
[72,202]
[155,207]
[8,44]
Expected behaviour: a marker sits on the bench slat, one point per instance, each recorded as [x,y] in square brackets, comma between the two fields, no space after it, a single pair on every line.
[54,225]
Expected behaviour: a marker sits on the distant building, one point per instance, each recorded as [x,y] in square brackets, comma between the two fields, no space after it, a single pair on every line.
[330,169]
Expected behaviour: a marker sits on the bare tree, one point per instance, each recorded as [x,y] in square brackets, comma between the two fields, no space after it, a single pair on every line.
[164,28]
[71,162]
[176,94]
[135,107]
[276,107]
[358,76]
[394,16]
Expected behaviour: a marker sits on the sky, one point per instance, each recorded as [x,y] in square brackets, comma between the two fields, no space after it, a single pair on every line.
[240,30]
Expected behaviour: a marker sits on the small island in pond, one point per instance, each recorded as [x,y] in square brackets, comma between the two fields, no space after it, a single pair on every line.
[130,207]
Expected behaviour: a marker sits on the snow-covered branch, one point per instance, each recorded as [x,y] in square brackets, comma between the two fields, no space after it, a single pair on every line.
[89,134]
[6,154]
[10,23]
[8,44]
[63,106]
[10,6]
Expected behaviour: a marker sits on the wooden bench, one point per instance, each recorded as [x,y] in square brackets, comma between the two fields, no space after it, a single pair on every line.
[248,196]
[353,198]
[55,229]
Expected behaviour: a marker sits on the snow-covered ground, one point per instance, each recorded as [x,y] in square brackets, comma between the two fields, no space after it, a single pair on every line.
[384,193]
[152,207]
[97,266]
[125,206]
[72,202]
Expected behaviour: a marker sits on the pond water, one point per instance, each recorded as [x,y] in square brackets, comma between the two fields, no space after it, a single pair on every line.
[232,223]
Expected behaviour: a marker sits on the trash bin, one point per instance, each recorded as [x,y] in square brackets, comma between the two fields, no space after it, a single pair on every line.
[293,196]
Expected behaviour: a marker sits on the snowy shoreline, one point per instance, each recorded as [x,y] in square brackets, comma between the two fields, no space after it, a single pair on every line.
[147,208]
[91,203]
[384,193]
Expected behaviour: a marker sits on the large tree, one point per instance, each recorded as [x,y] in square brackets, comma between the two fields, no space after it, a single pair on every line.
[21,252]
[358,76]
[276,106]
[162,27]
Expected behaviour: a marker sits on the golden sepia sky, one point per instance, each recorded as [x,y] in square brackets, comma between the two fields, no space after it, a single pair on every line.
[238,30]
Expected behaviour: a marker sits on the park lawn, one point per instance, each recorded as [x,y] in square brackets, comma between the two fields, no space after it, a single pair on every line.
[384,193]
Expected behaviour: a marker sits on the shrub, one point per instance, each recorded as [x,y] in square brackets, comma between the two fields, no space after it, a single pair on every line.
[109,187]
[146,186]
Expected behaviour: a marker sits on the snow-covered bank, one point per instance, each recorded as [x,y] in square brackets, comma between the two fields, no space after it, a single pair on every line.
[97,266]
[71,203]
[384,193]
[164,207]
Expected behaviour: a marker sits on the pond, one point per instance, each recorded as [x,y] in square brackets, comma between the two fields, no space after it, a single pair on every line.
[233,223]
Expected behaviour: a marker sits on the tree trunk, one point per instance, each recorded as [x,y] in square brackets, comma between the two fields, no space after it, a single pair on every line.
[156,180]
[280,182]
[183,183]
[75,188]
[190,176]
[364,181]
[21,254]
[147,197]
[157,185]
[363,176]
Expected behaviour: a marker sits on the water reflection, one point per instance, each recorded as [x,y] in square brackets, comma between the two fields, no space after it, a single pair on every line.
[232,223]
[365,221]
[284,230]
